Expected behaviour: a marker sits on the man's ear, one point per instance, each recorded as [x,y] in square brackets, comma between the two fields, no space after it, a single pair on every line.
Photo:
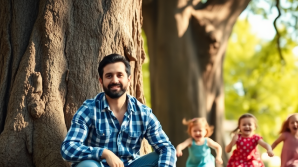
[100,81]
[129,77]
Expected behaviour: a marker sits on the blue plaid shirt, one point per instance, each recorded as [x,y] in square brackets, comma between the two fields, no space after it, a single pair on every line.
[95,128]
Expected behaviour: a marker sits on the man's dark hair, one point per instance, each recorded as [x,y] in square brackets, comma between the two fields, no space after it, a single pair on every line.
[113,58]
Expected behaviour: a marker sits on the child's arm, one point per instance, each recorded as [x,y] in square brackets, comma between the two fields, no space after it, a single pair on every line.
[278,140]
[217,148]
[182,146]
[232,143]
[267,147]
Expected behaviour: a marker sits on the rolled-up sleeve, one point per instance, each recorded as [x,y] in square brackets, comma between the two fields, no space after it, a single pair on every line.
[160,142]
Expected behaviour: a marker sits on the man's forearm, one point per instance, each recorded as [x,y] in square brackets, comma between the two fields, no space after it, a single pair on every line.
[167,157]
[76,156]
[106,153]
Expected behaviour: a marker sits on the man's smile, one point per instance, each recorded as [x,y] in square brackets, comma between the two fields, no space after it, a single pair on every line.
[114,86]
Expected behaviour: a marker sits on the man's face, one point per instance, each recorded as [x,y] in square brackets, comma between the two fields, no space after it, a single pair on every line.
[114,80]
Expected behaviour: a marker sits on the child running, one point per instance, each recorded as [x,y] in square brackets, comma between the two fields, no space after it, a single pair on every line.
[198,144]
[246,153]
[289,135]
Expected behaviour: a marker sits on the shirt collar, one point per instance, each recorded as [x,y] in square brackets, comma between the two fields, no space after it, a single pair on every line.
[105,104]
[130,105]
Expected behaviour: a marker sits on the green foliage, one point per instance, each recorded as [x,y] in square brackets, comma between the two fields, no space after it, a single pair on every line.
[146,73]
[257,82]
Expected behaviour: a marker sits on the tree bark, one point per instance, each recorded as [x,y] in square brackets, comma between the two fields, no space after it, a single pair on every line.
[187,41]
[50,52]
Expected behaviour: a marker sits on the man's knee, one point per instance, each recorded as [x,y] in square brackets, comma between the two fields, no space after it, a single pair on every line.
[148,160]
[154,156]
[89,163]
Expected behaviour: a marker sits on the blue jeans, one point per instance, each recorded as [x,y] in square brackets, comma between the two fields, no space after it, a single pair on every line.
[148,160]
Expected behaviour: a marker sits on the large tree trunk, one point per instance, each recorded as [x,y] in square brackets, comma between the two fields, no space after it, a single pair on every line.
[49,54]
[187,41]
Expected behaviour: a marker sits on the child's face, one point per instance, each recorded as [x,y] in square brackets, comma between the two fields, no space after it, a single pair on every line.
[198,132]
[247,126]
[293,124]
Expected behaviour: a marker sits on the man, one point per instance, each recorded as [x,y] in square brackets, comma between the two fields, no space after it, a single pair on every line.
[108,130]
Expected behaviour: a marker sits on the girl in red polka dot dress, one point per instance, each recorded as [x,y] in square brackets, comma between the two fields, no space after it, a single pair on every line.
[246,153]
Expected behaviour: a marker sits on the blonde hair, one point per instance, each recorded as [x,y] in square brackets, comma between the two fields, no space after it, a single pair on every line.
[246,115]
[195,121]
[285,124]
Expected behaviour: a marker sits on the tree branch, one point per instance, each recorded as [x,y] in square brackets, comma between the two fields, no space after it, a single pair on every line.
[277,33]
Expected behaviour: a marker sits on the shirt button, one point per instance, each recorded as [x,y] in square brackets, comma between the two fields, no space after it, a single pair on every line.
[103,134]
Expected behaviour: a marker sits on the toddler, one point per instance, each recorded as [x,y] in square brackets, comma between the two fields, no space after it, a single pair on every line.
[198,144]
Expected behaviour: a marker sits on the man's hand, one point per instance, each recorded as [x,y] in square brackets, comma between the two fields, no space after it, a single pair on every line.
[112,159]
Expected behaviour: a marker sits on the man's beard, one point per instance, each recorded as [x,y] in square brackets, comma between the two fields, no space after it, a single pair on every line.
[114,94]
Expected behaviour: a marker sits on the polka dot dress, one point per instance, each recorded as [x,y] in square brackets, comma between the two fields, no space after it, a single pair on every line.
[246,153]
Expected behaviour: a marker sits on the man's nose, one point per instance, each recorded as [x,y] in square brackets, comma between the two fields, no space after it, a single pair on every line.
[115,79]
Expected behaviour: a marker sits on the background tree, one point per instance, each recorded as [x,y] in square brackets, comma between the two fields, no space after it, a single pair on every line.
[49,54]
[187,41]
